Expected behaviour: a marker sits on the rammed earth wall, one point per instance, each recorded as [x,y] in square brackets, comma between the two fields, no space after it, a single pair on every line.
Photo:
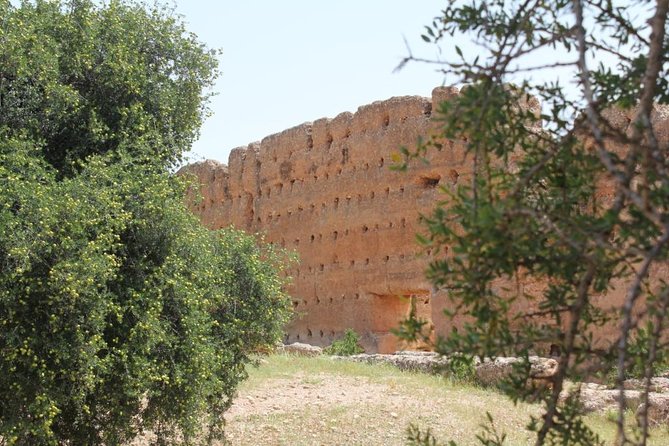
[325,190]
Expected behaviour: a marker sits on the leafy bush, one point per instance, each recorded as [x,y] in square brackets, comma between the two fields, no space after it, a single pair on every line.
[348,345]
[461,369]
[84,79]
[119,312]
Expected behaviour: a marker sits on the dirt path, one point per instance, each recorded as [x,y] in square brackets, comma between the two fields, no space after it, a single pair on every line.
[321,391]
[291,401]
[315,408]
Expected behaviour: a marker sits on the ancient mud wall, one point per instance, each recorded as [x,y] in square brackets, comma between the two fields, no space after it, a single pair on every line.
[325,190]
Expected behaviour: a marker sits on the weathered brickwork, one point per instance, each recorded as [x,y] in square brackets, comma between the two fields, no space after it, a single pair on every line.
[325,190]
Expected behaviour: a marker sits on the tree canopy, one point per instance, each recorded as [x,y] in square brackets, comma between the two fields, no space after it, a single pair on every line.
[573,195]
[82,79]
[119,313]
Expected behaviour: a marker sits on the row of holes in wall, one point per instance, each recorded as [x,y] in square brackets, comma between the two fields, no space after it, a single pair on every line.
[276,216]
[336,264]
[278,188]
[423,300]
[309,333]
[336,235]
[424,182]
[385,123]
[317,300]
[345,157]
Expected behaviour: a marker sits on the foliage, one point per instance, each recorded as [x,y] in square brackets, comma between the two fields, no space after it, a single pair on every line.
[119,312]
[348,345]
[461,369]
[489,436]
[82,79]
[416,437]
[572,194]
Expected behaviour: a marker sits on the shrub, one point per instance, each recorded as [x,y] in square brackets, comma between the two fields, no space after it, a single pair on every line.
[348,345]
[119,312]
[461,369]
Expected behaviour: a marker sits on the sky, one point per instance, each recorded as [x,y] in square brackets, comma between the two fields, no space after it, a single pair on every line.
[293,61]
[289,62]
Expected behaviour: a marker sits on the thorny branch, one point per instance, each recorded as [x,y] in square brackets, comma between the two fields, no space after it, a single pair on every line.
[603,245]
[641,123]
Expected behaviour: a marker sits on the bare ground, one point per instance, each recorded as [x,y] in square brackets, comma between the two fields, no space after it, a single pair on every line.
[296,401]
[317,401]
[307,408]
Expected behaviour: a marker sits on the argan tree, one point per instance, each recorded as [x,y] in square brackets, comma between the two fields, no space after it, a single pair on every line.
[572,194]
[119,312]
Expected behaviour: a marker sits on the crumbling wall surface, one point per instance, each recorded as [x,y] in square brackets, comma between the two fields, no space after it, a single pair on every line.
[325,189]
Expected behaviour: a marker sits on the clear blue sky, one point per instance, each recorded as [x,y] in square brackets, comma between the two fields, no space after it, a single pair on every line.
[288,62]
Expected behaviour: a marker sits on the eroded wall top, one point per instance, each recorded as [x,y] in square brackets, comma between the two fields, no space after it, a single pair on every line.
[325,189]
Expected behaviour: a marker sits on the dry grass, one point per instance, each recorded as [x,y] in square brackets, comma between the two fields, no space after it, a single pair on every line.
[317,401]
